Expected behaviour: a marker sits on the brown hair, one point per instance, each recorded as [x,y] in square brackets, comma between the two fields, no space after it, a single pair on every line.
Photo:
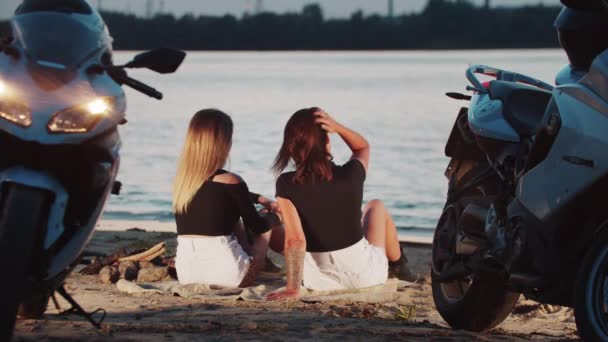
[305,144]
[206,149]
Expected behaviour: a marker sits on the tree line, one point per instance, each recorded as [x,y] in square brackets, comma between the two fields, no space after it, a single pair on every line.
[442,24]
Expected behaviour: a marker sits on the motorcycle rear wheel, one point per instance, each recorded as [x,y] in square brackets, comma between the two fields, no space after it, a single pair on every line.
[591,292]
[478,302]
[23,213]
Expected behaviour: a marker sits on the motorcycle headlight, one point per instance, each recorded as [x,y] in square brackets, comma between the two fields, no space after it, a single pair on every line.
[83,118]
[15,112]
[12,109]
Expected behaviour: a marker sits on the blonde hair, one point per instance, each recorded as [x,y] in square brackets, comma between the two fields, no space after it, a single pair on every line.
[206,150]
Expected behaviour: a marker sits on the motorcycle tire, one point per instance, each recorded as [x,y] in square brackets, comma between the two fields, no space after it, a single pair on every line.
[33,307]
[590,294]
[24,211]
[484,300]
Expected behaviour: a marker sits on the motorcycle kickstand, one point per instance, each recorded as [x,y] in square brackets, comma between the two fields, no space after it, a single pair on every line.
[76,309]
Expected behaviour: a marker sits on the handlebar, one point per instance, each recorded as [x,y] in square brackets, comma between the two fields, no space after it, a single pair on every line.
[143,88]
[119,75]
[501,75]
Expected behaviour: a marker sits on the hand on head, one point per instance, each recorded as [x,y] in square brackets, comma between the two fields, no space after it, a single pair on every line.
[326,122]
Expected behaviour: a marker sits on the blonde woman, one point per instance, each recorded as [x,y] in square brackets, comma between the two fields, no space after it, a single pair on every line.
[214,246]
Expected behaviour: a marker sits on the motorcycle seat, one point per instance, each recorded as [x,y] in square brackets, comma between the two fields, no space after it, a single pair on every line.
[524,105]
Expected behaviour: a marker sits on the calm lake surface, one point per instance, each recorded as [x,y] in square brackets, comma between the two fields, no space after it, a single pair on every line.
[395,99]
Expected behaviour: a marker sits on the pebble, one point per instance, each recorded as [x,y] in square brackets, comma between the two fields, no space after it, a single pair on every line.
[146,264]
[128,270]
[150,275]
[109,275]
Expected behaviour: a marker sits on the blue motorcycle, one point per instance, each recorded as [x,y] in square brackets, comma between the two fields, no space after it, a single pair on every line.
[528,177]
[61,101]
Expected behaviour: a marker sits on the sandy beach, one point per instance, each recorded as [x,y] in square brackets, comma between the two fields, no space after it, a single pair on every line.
[158,317]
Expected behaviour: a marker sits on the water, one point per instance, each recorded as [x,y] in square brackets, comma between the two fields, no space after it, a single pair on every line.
[395,99]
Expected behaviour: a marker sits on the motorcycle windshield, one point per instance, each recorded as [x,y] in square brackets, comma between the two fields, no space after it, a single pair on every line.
[57,40]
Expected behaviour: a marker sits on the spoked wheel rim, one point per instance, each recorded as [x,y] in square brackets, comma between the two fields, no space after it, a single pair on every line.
[444,255]
[597,296]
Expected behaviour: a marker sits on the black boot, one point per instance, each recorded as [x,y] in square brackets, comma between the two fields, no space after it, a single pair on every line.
[398,269]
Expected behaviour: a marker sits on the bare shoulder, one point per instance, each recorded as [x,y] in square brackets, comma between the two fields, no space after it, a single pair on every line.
[228,178]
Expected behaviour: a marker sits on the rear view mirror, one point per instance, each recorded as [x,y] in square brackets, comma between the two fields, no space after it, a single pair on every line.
[163,60]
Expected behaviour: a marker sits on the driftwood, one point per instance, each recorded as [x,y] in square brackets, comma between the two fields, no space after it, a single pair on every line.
[122,255]
[141,265]
[147,255]
[99,263]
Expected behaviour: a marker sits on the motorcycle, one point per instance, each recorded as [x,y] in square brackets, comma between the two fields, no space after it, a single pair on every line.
[524,213]
[61,103]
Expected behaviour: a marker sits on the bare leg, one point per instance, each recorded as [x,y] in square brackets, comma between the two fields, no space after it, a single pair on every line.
[277,239]
[380,230]
[257,248]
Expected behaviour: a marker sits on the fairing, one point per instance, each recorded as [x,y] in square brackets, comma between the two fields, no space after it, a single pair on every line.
[57,40]
[578,155]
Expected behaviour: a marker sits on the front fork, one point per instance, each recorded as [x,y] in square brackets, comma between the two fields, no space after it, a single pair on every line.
[42,180]
[61,246]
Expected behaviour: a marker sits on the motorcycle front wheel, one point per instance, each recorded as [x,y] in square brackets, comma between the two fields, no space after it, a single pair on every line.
[34,307]
[591,292]
[478,302]
[22,216]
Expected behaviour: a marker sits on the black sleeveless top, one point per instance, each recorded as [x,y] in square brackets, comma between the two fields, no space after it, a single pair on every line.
[216,209]
[330,212]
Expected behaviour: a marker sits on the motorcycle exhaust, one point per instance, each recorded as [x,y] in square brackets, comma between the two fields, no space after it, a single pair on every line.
[472,225]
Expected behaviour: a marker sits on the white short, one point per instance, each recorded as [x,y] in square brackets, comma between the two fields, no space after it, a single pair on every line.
[217,260]
[358,266]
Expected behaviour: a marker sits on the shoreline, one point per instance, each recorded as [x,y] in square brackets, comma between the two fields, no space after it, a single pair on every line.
[169,227]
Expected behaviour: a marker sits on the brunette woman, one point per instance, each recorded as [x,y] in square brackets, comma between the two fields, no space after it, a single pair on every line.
[209,203]
[330,244]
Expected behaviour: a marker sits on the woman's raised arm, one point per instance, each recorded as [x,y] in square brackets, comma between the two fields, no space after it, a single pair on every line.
[355,141]
[295,251]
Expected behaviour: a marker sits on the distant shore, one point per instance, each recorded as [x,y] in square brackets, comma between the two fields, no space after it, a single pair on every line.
[441,24]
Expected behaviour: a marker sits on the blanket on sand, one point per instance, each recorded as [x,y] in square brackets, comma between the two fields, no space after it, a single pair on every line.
[390,292]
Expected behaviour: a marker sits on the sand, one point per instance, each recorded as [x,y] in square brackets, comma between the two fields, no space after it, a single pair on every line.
[170,318]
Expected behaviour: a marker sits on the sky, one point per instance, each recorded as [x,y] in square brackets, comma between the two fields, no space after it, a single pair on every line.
[332,8]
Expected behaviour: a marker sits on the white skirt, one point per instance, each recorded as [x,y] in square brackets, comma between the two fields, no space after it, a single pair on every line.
[217,260]
[358,266]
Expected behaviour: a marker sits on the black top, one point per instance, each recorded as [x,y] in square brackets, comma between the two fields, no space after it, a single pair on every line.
[330,212]
[216,208]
